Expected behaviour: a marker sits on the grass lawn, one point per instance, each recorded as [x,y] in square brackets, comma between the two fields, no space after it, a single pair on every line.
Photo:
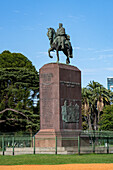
[55,159]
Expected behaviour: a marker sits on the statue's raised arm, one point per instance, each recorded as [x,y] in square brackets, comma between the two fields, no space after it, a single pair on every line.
[60,41]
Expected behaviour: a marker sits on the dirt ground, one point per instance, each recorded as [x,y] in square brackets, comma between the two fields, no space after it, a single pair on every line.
[60,167]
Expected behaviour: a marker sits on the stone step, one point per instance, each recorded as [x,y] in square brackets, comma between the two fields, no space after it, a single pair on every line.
[41,150]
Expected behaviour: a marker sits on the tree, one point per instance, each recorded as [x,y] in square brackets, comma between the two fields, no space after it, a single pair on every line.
[19,84]
[86,123]
[100,98]
[106,120]
[96,98]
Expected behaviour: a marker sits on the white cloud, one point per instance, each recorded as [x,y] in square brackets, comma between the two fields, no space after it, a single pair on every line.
[109,69]
[90,71]
[83,49]
[76,48]
[104,50]
[76,18]
[93,50]
[40,54]
[93,58]
[43,53]
[105,56]
[90,49]
[94,71]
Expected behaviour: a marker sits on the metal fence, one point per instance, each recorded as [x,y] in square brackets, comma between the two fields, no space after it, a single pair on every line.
[14,145]
[85,142]
[96,142]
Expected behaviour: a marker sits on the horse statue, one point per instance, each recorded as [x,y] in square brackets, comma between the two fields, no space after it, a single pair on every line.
[56,44]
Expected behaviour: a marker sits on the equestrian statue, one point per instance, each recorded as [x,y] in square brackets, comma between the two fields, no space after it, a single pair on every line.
[60,41]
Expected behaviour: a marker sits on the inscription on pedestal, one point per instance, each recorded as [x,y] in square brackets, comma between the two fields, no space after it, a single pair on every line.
[48,115]
[46,90]
[69,84]
[46,100]
[46,77]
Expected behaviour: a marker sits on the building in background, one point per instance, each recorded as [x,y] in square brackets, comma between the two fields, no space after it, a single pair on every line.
[110,83]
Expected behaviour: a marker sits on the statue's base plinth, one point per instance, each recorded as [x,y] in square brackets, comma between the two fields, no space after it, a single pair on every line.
[60,105]
[49,137]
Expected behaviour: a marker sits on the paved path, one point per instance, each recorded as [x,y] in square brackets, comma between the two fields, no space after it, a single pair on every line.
[60,167]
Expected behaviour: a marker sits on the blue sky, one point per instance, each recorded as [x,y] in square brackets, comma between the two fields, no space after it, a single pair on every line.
[24,23]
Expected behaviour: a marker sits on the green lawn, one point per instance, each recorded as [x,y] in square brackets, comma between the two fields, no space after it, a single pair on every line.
[55,159]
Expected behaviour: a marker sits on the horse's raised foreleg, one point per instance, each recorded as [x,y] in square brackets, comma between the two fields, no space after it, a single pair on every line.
[57,56]
[50,49]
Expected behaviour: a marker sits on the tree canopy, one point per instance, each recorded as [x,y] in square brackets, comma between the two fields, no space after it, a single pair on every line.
[106,120]
[19,85]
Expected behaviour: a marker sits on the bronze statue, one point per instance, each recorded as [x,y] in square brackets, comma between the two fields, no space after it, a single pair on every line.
[60,41]
[60,34]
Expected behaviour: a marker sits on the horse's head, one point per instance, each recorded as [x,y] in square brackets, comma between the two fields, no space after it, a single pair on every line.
[51,34]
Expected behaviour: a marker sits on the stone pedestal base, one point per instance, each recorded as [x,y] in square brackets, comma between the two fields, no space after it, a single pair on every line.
[48,137]
[45,138]
[60,105]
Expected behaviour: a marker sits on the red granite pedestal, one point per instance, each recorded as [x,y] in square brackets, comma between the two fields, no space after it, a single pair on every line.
[60,85]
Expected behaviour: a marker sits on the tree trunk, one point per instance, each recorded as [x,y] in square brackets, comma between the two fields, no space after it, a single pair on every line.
[98,118]
[95,122]
[89,122]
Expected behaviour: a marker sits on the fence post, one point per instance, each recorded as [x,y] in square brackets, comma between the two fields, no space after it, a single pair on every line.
[107,145]
[13,144]
[79,145]
[94,142]
[56,145]
[3,145]
[34,144]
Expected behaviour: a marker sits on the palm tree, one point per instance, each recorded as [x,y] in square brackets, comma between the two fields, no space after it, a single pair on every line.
[100,98]
[86,95]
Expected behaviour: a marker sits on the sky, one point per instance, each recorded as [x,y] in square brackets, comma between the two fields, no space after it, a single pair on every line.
[23,29]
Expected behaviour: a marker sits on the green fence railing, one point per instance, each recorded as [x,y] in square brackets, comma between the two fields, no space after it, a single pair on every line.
[84,142]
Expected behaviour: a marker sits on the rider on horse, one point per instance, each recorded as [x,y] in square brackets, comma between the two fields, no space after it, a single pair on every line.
[60,35]
[60,41]
[62,38]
